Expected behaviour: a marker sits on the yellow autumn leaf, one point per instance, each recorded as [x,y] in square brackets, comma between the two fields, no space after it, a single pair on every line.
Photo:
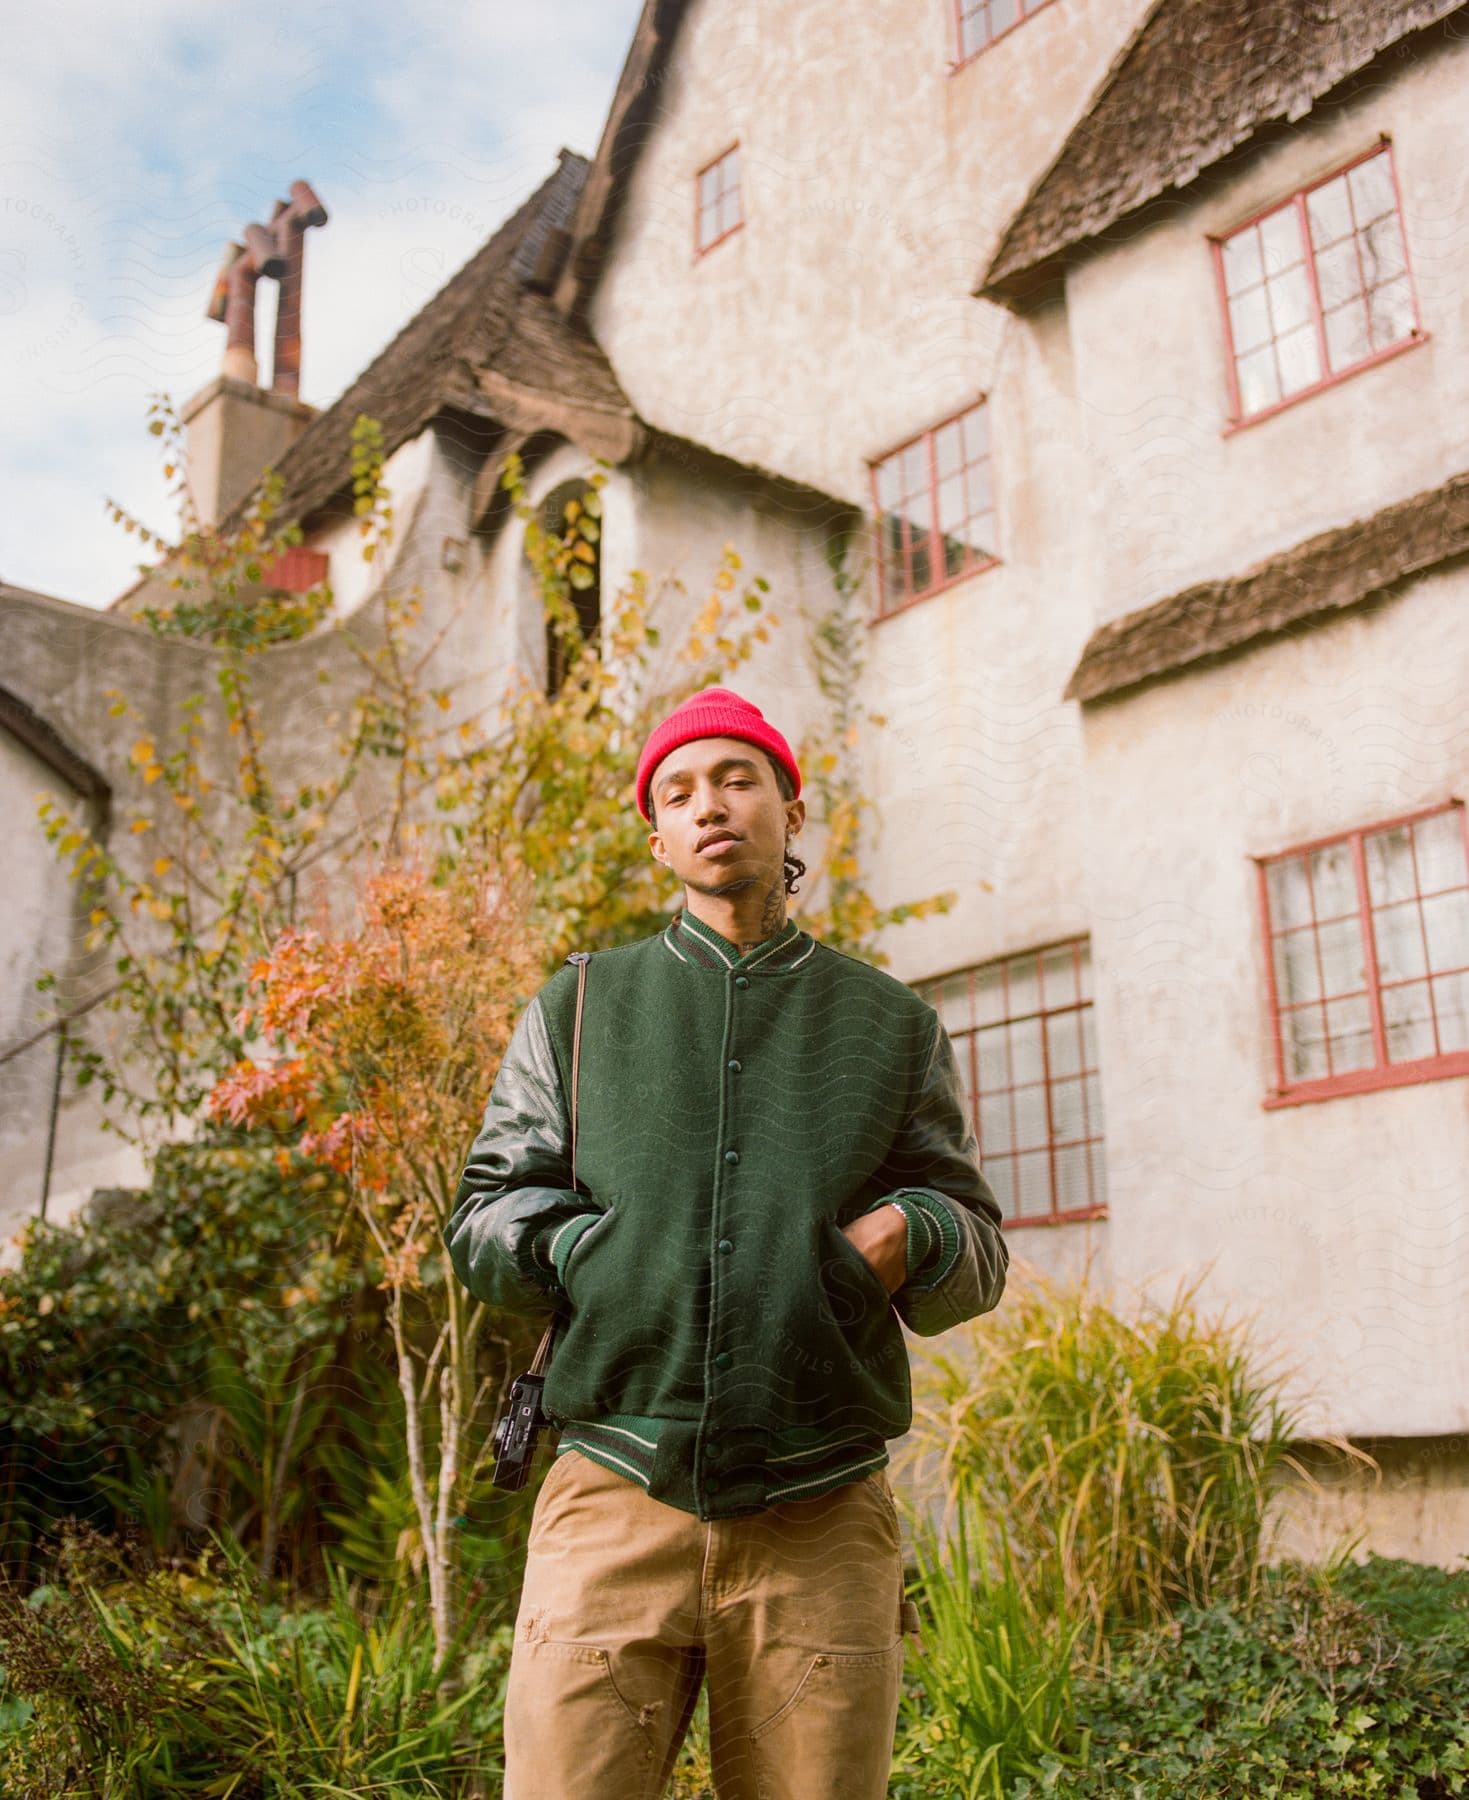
[139,825]
[152,772]
[162,865]
[142,751]
[160,909]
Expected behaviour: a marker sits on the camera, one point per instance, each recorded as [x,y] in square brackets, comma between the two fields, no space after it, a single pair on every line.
[517,1430]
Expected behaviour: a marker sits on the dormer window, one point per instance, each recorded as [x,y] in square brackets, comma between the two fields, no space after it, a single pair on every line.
[717,206]
[935,504]
[1316,287]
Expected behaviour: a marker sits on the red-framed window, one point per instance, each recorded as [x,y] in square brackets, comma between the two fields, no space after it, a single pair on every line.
[979,22]
[1023,1033]
[297,571]
[934,498]
[718,209]
[1368,956]
[1316,287]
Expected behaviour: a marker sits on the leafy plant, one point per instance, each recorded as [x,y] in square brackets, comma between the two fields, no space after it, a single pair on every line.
[1133,1458]
[992,1701]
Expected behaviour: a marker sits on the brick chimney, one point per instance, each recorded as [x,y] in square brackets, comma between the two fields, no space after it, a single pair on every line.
[234,428]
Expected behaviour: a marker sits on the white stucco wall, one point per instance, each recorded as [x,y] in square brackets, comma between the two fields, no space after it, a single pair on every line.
[1176,499]
[1342,1221]
[838,321]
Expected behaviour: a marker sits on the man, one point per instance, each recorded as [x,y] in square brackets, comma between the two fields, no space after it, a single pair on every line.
[773,1166]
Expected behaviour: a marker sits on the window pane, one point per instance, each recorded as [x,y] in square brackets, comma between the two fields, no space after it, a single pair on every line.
[1098,1158]
[1398,933]
[1329,211]
[889,484]
[1438,846]
[1288,891]
[1305,1044]
[1333,881]
[1024,987]
[947,449]
[1068,1117]
[1446,926]
[1280,241]
[951,999]
[1343,970]
[1249,320]
[1025,1050]
[1094,1122]
[994,1124]
[1003,13]
[1300,360]
[1032,1123]
[708,224]
[1063,1044]
[1451,1002]
[1382,251]
[1258,384]
[1033,1184]
[1391,312]
[993,1046]
[1001,1176]
[1350,1025]
[709,186]
[1347,340]
[951,503]
[989,996]
[1242,266]
[1058,977]
[1073,1190]
[731,209]
[1290,301]
[922,564]
[1372,191]
[1389,859]
[1337,273]
[1297,976]
[915,468]
[1408,1022]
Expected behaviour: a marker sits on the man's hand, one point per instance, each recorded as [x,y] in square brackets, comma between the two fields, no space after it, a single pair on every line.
[882,1237]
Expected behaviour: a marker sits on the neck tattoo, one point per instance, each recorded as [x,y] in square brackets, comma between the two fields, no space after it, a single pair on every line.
[771,920]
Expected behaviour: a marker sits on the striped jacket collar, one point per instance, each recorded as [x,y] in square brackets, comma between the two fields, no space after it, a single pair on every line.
[692,941]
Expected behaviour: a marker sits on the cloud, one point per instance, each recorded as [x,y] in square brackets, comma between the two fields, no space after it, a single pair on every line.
[134,144]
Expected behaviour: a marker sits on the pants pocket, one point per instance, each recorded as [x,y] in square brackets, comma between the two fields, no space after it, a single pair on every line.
[568,1729]
[834,1735]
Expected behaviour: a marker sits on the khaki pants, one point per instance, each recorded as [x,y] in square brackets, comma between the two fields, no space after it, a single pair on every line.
[795,1615]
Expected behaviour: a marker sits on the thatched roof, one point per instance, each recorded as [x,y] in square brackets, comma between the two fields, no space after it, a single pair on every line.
[1293,591]
[484,323]
[1197,80]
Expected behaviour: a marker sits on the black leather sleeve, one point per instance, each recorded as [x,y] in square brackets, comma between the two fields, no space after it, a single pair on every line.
[516,1186]
[934,1158]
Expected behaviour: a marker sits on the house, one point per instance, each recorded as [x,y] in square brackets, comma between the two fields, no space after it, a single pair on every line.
[1130,342]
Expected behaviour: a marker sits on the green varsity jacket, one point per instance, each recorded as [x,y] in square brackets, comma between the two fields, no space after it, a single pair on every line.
[722,1342]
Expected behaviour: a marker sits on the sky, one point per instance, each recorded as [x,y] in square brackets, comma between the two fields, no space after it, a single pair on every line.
[137,141]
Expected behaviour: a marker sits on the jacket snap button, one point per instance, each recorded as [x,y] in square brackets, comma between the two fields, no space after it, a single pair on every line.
[725,1246]
[731,1156]
[723,1360]
[735,1066]
[821,1662]
[742,980]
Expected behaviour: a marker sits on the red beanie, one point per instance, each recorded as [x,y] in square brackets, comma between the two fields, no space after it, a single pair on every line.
[712,712]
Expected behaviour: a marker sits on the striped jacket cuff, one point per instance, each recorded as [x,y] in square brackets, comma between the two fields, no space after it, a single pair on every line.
[553,1243]
[933,1237]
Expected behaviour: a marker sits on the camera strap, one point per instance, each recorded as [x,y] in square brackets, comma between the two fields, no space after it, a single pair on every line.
[581,958]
